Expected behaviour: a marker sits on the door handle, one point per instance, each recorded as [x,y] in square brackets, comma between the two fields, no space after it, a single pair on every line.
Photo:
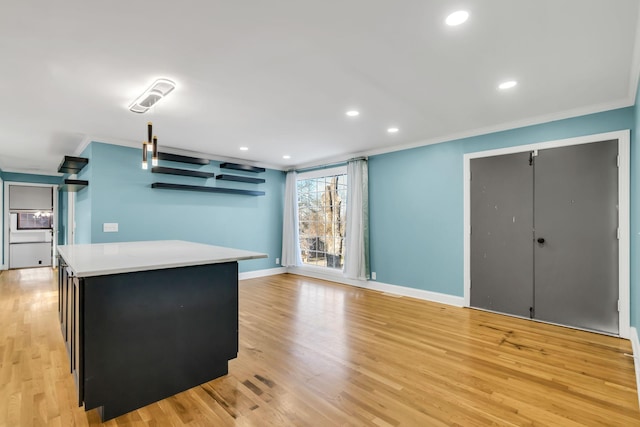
[541,240]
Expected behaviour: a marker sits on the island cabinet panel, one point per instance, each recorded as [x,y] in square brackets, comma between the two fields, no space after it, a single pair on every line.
[61,269]
[65,309]
[64,303]
[69,317]
[140,337]
[77,350]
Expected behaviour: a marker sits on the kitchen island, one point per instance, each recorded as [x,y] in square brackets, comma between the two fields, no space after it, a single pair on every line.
[143,321]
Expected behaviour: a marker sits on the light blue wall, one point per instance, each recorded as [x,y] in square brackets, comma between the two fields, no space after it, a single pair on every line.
[83,207]
[62,217]
[120,191]
[31,178]
[416,201]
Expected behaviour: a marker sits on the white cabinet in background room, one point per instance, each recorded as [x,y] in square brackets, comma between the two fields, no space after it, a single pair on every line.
[23,255]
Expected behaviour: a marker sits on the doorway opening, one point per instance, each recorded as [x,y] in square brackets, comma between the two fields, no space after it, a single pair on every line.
[30,225]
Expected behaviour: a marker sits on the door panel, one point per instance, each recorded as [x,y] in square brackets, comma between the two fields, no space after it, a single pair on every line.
[501,234]
[575,211]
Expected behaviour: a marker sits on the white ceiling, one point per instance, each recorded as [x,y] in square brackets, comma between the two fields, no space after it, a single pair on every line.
[278,75]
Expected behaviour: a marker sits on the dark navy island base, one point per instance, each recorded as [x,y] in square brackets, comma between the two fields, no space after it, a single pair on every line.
[139,337]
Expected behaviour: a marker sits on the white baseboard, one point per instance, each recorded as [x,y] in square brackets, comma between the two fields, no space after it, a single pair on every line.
[324,274]
[416,293]
[635,345]
[379,286]
[261,273]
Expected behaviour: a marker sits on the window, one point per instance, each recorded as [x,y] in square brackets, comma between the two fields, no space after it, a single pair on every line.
[34,220]
[322,214]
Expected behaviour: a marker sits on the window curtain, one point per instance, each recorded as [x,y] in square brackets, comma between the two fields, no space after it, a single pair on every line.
[290,234]
[356,262]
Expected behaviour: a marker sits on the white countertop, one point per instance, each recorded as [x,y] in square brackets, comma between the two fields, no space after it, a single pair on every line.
[112,258]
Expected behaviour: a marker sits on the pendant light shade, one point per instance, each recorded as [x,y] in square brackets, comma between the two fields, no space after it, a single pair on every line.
[144,155]
[149,132]
[150,145]
[154,159]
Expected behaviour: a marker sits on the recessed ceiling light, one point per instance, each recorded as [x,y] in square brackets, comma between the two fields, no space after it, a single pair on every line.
[286,156]
[353,113]
[393,130]
[457,18]
[244,148]
[507,85]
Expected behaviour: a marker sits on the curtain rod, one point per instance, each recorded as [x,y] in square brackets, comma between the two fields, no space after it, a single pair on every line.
[328,165]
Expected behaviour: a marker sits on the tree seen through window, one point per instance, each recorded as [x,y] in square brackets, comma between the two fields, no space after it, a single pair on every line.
[322,204]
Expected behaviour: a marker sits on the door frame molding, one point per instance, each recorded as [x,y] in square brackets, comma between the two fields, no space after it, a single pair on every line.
[624,177]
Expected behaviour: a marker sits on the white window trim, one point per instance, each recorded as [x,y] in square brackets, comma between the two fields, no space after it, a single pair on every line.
[318,173]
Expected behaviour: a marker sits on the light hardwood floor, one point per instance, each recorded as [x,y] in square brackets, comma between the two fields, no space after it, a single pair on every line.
[315,353]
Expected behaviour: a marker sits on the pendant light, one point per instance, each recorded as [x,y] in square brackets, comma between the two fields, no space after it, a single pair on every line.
[151,144]
[154,159]
[144,155]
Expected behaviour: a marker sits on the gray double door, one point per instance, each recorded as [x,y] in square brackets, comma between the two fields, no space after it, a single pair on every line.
[544,238]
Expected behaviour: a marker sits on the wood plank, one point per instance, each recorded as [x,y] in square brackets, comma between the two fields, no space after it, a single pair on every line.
[71,164]
[182,172]
[239,167]
[182,159]
[318,353]
[73,185]
[205,189]
[238,178]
